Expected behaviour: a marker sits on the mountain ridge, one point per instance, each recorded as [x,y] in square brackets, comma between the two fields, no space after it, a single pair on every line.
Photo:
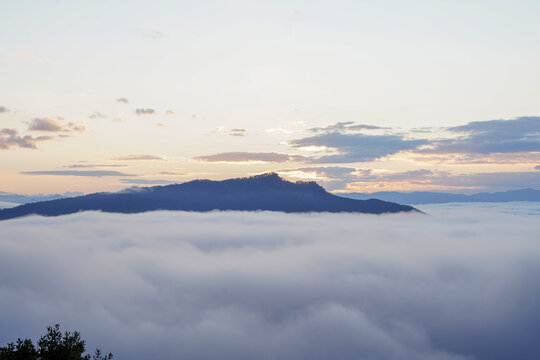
[432,197]
[266,192]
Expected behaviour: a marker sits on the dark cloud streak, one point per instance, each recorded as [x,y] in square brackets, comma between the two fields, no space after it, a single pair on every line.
[250,157]
[488,137]
[345,126]
[355,147]
[89,173]
[84,166]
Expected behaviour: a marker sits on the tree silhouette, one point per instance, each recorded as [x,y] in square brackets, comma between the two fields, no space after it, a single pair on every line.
[22,350]
[54,345]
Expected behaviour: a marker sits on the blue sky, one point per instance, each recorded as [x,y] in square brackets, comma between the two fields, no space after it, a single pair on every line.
[172,91]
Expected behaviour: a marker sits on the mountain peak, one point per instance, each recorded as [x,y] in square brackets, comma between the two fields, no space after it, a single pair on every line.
[269,176]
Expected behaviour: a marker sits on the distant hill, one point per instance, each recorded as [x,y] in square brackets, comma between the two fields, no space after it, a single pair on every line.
[427,197]
[25,199]
[262,192]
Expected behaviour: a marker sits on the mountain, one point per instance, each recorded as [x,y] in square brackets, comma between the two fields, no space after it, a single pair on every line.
[427,197]
[262,192]
[24,199]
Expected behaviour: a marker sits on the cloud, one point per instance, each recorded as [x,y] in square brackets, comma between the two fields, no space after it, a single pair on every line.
[345,126]
[147,181]
[368,180]
[494,141]
[9,132]
[97,115]
[350,148]
[328,171]
[330,177]
[88,173]
[237,132]
[172,173]
[287,128]
[52,125]
[10,137]
[169,112]
[537,167]
[75,127]
[139,157]
[458,284]
[145,111]
[470,158]
[3,109]
[122,100]
[488,137]
[249,157]
[83,166]
[494,180]
[431,179]
[45,124]
[232,132]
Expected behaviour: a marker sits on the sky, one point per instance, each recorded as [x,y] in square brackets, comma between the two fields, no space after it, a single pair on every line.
[460,283]
[360,96]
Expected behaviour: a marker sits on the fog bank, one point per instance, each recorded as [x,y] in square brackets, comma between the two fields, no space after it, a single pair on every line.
[460,283]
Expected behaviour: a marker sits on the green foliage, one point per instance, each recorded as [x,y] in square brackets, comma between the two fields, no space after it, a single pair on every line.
[54,345]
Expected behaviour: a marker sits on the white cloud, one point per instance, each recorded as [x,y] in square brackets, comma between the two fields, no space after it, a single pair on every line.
[451,285]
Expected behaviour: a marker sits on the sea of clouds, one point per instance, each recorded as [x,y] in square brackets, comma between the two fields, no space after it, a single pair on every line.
[459,283]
